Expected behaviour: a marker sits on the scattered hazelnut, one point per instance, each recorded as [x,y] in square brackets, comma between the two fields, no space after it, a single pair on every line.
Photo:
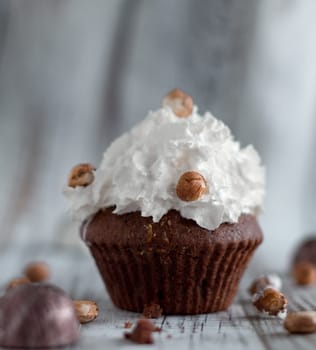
[301,322]
[17,282]
[305,250]
[191,186]
[86,310]
[304,273]
[37,272]
[37,316]
[271,301]
[180,103]
[81,175]
[152,311]
[264,281]
[142,333]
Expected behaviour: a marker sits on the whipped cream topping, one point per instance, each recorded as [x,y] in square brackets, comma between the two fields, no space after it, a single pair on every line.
[140,171]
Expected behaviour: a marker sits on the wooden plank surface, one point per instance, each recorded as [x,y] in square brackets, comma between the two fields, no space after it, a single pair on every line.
[241,327]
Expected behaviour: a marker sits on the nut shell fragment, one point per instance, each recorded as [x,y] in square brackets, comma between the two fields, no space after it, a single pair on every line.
[266,280]
[271,301]
[37,271]
[81,175]
[86,310]
[180,103]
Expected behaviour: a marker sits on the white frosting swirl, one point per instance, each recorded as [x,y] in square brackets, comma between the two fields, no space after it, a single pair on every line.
[140,170]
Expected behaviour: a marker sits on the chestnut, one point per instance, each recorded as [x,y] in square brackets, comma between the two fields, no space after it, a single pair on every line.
[37,316]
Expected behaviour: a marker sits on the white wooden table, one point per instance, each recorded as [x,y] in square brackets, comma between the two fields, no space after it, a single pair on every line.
[239,328]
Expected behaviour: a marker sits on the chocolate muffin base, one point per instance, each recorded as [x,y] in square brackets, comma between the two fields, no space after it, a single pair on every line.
[174,263]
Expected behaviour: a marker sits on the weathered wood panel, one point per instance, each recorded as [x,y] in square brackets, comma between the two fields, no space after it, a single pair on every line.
[241,327]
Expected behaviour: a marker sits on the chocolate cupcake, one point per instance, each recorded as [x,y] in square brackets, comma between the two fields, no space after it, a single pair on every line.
[170,214]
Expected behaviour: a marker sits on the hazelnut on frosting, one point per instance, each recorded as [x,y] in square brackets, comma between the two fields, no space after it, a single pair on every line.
[191,186]
[81,175]
[180,103]
[142,170]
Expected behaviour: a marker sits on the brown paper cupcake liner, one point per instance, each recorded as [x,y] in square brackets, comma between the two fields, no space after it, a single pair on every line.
[181,281]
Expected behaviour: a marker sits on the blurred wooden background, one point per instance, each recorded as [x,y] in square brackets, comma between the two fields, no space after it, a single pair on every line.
[75,74]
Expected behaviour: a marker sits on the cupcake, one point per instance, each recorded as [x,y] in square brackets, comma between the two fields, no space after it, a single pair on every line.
[170,215]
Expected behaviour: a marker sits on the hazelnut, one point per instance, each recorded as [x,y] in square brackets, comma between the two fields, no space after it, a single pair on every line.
[180,103]
[301,322]
[17,282]
[264,281]
[271,301]
[86,310]
[37,272]
[81,175]
[191,186]
[304,273]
